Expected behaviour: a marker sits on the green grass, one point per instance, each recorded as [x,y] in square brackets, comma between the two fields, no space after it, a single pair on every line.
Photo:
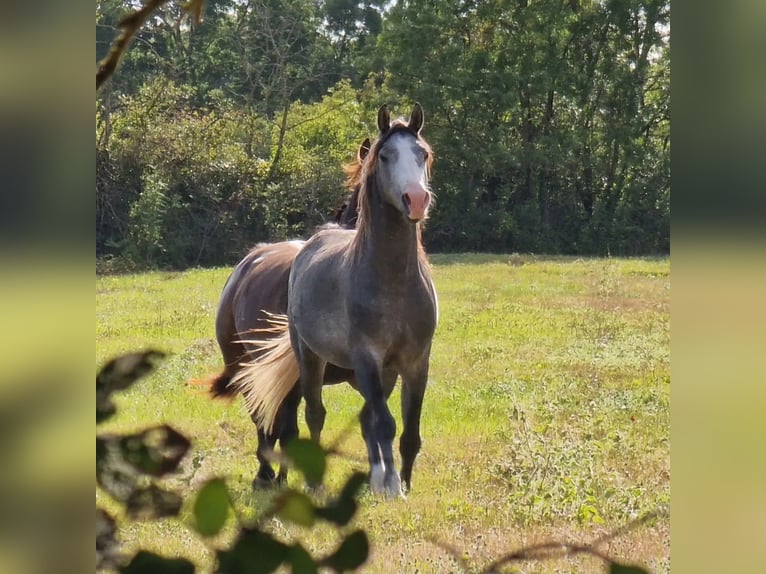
[546,416]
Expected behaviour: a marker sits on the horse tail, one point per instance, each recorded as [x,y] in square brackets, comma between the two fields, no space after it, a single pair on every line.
[267,380]
[217,386]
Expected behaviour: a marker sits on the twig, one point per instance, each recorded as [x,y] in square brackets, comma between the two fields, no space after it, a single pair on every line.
[551,550]
[452,551]
[609,536]
[544,551]
[548,550]
[130,25]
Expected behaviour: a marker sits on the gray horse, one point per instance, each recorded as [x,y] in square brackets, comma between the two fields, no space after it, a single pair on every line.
[257,289]
[362,299]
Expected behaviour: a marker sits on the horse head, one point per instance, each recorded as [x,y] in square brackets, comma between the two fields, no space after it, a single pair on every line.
[401,161]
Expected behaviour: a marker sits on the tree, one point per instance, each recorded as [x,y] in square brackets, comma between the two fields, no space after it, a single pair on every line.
[549,121]
[557,98]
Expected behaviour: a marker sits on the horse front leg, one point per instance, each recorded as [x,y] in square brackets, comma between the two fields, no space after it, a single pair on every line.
[378,427]
[413,391]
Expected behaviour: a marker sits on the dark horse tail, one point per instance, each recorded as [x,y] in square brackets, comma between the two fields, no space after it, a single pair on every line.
[218,386]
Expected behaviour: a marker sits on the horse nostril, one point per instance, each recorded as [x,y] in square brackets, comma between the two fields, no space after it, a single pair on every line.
[407,200]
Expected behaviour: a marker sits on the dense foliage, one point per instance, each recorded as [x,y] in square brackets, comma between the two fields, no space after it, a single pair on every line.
[127,467]
[549,120]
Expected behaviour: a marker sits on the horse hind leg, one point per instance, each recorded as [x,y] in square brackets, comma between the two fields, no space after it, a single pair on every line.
[266,442]
[284,430]
[287,419]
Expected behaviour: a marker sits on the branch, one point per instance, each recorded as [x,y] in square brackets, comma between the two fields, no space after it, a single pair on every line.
[544,551]
[551,550]
[130,25]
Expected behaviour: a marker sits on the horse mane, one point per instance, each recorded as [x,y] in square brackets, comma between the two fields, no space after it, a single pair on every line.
[353,171]
[346,214]
[367,176]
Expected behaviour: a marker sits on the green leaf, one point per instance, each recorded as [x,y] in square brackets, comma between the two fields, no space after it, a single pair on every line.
[102,452]
[211,509]
[615,568]
[254,552]
[156,451]
[352,486]
[342,510]
[113,477]
[107,547]
[121,372]
[301,561]
[296,507]
[121,459]
[308,457]
[351,554]
[118,374]
[148,563]
[339,512]
[152,502]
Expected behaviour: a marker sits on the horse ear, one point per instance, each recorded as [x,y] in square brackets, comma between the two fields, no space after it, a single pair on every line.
[364,149]
[416,119]
[384,119]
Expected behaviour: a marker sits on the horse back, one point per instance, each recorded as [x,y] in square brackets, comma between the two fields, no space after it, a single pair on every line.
[256,288]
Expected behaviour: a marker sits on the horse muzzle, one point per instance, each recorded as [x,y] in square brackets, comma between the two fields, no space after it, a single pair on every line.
[416,200]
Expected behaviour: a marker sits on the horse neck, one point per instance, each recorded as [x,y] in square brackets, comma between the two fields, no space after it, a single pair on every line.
[392,244]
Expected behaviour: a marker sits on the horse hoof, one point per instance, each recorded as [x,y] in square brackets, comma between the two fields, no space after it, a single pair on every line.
[386,483]
[378,479]
[393,488]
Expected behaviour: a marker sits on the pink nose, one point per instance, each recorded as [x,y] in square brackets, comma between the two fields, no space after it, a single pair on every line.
[416,198]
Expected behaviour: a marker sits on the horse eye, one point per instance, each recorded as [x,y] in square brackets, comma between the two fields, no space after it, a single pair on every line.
[383,158]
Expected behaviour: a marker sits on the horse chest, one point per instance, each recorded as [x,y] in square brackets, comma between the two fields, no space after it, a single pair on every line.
[395,319]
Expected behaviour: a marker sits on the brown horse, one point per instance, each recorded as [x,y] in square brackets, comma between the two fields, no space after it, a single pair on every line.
[361,300]
[255,290]
[347,213]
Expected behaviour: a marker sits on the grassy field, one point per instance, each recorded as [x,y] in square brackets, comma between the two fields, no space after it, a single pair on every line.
[546,417]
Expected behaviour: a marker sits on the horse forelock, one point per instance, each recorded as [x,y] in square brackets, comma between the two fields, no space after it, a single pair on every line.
[368,169]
